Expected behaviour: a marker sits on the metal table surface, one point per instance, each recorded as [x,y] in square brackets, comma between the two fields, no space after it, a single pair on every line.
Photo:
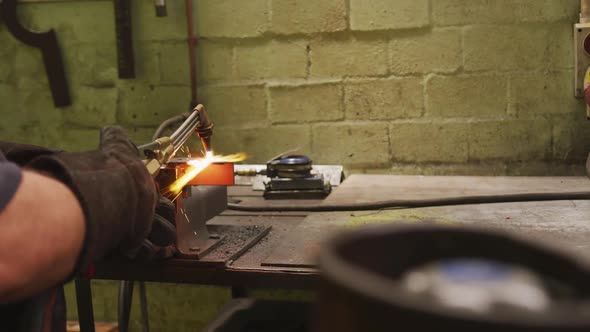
[245,271]
[285,258]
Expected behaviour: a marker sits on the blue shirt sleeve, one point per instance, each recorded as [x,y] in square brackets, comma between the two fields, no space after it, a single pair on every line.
[10,178]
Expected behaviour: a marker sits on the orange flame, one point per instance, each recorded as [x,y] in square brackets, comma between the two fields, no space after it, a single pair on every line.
[199,164]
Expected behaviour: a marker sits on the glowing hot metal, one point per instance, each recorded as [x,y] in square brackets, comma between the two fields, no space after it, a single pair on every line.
[196,166]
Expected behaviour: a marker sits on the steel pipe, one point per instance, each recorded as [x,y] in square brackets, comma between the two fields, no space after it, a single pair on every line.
[187,123]
[189,129]
[182,139]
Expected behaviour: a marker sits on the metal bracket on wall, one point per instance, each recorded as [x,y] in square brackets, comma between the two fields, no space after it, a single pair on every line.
[47,43]
[124,35]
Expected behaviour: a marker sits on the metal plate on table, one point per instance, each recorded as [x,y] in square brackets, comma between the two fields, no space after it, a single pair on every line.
[362,188]
[281,226]
[235,240]
[301,246]
[566,221]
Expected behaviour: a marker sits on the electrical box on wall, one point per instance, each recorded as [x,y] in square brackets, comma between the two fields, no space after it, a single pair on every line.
[582,56]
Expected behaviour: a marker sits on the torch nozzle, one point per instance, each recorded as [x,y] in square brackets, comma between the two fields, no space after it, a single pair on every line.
[206,141]
[204,128]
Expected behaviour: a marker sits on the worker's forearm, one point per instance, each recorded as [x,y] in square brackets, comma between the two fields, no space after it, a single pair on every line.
[41,236]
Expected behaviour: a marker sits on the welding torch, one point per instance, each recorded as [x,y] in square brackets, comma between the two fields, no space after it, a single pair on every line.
[161,150]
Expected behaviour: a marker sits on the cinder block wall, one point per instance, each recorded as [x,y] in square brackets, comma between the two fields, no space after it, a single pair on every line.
[388,86]
[381,86]
[404,86]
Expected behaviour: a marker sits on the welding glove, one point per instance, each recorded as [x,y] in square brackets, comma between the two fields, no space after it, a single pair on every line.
[118,196]
[21,154]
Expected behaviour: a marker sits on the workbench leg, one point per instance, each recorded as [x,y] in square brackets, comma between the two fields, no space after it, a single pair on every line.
[125,300]
[145,321]
[84,302]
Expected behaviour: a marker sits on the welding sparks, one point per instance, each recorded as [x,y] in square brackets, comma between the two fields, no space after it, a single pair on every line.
[196,166]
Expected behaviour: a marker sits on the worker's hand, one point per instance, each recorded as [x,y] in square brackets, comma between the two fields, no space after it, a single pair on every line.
[162,238]
[118,197]
[22,154]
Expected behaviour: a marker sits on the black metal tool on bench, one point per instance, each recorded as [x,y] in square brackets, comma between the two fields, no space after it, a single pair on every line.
[47,43]
[291,177]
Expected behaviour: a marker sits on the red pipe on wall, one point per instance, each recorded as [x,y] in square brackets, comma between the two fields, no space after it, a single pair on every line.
[191,40]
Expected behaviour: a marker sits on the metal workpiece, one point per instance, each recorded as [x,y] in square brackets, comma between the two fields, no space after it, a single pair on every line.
[215,174]
[167,175]
[210,245]
[198,205]
[203,198]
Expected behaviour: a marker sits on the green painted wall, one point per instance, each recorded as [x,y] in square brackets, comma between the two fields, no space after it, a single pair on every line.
[404,86]
[381,86]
